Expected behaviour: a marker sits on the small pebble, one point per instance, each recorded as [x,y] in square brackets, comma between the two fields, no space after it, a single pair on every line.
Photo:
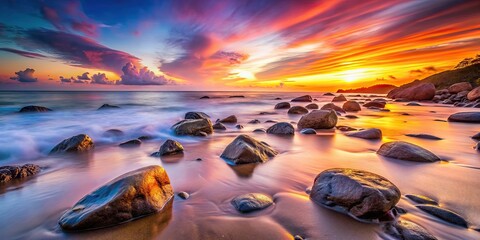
[183,195]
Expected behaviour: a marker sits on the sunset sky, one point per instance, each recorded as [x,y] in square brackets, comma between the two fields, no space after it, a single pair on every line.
[284,45]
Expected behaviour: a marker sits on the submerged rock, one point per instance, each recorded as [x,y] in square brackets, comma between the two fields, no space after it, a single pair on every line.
[281,128]
[205,97]
[8,173]
[421,199]
[413,104]
[193,127]
[424,136]
[113,133]
[331,106]
[297,110]
[406,230]
[339,98]
[465,117]
[351,106]
[196,115]
[372,133]
[361,194]
[260,130]
[133,195]
[406,151]
[76,144]
[239,126]
[251,202]
[170,147]
[282,105]
[254,121]
[312,106]
[245,149]
[229,119]
[131,143]
[107,106]
[444,214]
[29,109]
[345,128]
[318,119]
[374,104]
[308,131]
[306,98]
[219,126]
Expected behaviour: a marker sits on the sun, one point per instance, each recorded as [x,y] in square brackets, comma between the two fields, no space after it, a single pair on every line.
[246,74]
[353,75]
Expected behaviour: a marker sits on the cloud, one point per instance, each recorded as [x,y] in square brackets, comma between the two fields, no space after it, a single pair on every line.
[392,77]
[84,76]
[100,78]
[68,16]
[66,80]
[25,76]
[75,50]
[143,76]
[23,53]
[430,69]
[416,71]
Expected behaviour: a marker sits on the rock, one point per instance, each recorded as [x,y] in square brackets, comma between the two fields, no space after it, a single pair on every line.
[219,126]
[76,144]
[271,121]
[477,147]
[339,98]
[374,104]
[406,230]
[245,149]
[239,126]
[444,214]
[312,106]
[260,130]
[183,195]
[351,106]
[145,138]
[474,94]
[107,106]
[193,127]
[131,143]
[133,195]
[465,117]
[282,105]
[229,119]
[331,106]
[351,116]
[170,147]
[268,113]
[406,151]
[196,115]
[361,194]
[30,109]
[459,87]
[424,136]
[418,92]
[8,173]
[421,199]
[328,94]
[236,96]
[297,237]
[297,110]
[306,98]
[113,133]
[476,136]
[372,133]
[413,104]
[345,128]
[205,97]
[282,128]
[277,98]
[254,121]
[318,119]
[308,131]
[251,202]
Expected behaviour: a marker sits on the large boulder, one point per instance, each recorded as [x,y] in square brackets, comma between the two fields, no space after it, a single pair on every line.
[76,144]
[474,94]
[251,202]
[282,128]
[318,119]
[8,173]
[282,105]
[351,106]
[331,106]
[306,98]
[196,115]
[245,149]
[34,109]
[422,91]
[360,194]
[372,133]
[339,98]
[133,195]
[229,119]
[406,151]
[297,110]
[465,117]
[460,87]
[194,127]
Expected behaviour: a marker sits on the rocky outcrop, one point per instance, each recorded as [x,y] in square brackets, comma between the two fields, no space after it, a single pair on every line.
[245,149]
[131,196]
[282,105]
[281,128]
[417,92]
[193,127]
[306,98]
[318,119]
[31,109]
[360,194]
[297,110]
[196,115]
[406,151]
[251,202]
[76,144]
[8,173]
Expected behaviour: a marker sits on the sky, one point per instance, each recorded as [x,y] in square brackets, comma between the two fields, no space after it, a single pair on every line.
[271,45]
